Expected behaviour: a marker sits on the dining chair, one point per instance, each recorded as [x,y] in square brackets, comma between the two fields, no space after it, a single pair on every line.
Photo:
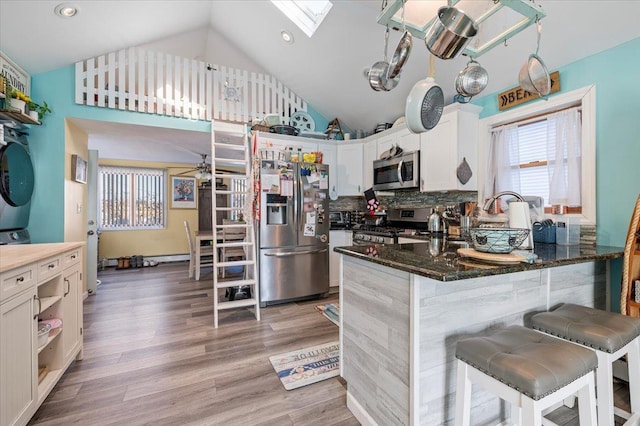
[230,235]
[197,262]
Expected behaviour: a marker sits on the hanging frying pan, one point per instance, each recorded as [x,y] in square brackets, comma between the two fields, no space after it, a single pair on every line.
[424,104]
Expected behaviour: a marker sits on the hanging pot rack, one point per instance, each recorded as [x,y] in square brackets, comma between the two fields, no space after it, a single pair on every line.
[529,10]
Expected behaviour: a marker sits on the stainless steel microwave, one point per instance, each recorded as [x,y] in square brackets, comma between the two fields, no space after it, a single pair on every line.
[400,172]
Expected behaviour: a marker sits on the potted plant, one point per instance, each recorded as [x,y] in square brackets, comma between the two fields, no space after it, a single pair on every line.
[41,109]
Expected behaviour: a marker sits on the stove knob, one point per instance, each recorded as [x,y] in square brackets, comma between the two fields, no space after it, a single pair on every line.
[14,236]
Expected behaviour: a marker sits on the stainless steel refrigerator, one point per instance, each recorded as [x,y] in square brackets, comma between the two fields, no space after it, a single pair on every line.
[294,231]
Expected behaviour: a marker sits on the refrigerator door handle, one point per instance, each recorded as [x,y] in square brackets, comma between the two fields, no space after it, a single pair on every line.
[295,253]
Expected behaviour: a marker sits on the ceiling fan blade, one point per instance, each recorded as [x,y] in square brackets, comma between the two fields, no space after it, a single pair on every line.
[187,172]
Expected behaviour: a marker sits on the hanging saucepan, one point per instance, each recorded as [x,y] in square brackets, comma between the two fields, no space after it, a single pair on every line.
[534,76]
[378,73]
[402,52]
[450,32]
[471,81]
[424,104]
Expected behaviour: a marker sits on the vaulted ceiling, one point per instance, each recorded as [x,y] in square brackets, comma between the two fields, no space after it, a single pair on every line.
[326,69]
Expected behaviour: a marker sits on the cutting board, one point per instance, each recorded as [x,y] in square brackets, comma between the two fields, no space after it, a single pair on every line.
[502,258]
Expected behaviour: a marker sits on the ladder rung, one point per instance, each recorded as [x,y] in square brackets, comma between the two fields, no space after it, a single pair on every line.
[238,147]
[229,176]
[232,192]
[231,161]
[234,225]
[238,244]
[235,283]
[237,303]
[235,263]
[229,209]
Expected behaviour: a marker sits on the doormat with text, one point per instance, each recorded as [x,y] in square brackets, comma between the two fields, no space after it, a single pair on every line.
[306,366]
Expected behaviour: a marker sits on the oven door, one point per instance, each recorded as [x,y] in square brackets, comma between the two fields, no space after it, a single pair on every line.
[397,173]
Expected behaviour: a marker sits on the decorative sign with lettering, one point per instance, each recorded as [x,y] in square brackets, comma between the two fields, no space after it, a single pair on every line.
[16,76]
[518,95]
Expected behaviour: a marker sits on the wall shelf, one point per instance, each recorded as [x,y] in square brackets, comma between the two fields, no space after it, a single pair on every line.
[18,116]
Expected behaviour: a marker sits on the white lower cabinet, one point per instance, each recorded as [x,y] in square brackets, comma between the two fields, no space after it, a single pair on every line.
[443,149]
[18,367]
[28,369]
[338,238]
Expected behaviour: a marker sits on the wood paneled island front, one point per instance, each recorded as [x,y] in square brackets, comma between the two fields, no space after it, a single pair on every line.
[403,308]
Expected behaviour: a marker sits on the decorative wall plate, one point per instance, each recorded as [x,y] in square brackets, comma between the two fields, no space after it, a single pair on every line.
[303,121]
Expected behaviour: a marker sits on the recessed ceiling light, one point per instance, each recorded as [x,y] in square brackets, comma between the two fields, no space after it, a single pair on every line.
[286,36]
[66,10]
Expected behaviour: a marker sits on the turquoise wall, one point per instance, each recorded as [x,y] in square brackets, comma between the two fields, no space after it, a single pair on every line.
[57,88]
[615,75]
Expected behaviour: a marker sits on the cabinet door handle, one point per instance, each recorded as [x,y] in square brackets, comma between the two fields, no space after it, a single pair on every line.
[51,266]
[68,287]
[20,279]
[37,299]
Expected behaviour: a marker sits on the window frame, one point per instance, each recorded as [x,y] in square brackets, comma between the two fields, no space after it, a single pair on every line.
[584,97]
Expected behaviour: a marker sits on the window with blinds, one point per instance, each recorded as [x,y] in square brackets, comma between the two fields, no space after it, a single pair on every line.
[131,198]
[529,157]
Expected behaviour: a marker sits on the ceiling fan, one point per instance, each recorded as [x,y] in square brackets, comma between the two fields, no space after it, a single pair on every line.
[202,169]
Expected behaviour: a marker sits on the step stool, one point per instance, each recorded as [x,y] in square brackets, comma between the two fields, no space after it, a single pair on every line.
[529,370]
[612,336]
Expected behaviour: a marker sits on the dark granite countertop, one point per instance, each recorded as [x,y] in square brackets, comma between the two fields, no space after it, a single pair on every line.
[439,260]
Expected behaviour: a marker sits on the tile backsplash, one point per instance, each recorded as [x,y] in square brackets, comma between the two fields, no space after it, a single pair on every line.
[406,199]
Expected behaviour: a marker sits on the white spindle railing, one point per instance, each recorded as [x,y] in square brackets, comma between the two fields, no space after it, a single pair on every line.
[138,80]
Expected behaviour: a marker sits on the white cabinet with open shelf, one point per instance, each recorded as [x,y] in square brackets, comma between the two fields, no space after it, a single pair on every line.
[28,371]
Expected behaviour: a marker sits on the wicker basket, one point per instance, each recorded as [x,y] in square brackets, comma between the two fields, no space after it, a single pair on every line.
[260,128]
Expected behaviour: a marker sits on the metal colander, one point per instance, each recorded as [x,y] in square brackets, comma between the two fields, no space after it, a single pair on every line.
[472,80]
[534,76]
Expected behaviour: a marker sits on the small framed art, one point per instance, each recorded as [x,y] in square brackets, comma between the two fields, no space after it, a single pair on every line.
[78,169]
[183,192]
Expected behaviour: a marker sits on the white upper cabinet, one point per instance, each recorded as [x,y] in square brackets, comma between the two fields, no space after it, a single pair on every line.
[400,136]
[330,157]
[286,143]
[443,149]
[370,153]
[349,173]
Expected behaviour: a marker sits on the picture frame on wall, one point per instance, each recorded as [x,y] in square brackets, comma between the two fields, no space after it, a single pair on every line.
[183,192]
[78,169]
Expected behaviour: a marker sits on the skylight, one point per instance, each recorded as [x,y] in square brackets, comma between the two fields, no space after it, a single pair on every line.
[306,14]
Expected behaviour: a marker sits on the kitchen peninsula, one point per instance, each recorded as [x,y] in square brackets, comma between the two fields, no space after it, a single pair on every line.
[404,307]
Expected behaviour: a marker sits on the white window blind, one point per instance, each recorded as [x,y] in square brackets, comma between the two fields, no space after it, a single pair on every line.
[131,198]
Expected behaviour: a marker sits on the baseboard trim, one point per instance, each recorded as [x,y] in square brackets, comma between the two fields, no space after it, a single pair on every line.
[359,412]
[159,259]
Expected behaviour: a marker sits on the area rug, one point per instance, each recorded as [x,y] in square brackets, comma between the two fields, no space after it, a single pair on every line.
[331,311]
[306,366]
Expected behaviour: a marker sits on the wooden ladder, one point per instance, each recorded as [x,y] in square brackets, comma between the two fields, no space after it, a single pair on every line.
[230,147]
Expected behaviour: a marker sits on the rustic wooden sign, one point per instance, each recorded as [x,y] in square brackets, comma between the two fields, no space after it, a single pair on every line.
[517,95]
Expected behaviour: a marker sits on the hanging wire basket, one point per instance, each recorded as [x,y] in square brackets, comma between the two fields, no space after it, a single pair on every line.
[496,240]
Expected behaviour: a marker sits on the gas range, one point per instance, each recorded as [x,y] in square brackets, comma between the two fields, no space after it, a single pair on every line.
[412,221]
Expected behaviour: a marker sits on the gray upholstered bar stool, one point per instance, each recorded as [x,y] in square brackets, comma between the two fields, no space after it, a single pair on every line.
[529,370]
[612,336]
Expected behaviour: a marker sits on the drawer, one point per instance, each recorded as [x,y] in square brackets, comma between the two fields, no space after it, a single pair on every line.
[49,268]
[70,258]
[16,280]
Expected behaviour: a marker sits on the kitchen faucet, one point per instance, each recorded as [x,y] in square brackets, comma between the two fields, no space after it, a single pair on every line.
[490,201]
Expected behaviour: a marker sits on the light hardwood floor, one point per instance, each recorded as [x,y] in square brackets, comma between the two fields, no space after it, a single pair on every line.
[152,357]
